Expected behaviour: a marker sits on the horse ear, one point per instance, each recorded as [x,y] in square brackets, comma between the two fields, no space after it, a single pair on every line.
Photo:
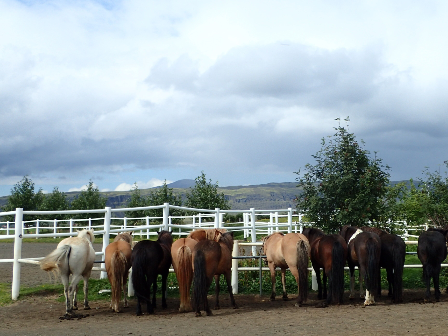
[231,233]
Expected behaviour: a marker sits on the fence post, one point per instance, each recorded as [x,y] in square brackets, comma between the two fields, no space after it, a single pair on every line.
[235,253]
[18,227]
[289,220]
[166,214]
[254,231]
[107,217]
[216,218]
[37,227]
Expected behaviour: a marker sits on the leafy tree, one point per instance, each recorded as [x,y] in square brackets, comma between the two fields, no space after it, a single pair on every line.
[435,187]
[161,195]
[89,199]
[23,195]
[55,201]
[205,195]
[345,186]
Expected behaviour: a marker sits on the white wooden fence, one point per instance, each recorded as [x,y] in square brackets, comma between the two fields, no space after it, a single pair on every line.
[108,225]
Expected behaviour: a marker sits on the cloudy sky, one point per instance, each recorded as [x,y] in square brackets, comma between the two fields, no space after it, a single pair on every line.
[141,91]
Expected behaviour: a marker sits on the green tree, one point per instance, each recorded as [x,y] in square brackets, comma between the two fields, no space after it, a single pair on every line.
[205,195]
[161,195]
[55,201]
[89,199]
[345,186]
[23,195]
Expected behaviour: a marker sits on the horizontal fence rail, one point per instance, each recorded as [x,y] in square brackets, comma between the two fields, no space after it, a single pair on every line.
[254,225]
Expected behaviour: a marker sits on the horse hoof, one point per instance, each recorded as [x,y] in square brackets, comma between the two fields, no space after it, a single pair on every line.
[298,304]
[198,314]
[235,306]
[209,313]
[87,308]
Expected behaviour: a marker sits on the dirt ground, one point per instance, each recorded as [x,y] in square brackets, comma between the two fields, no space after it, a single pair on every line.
[256,315]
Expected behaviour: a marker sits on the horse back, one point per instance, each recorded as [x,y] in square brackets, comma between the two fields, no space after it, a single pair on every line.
[359,246]
[289,247]
[431,247]
[147,253]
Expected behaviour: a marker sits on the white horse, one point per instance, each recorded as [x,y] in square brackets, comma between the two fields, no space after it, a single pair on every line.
[74,255]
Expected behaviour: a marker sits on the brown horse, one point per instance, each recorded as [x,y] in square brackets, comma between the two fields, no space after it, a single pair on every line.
[181,253]
[150,258]
[210,234]
[210,259]
[291,251]
[118,263]
[328,252]
[364,251]
[393,253]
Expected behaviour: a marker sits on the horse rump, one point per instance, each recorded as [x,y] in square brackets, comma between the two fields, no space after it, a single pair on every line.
[58,257]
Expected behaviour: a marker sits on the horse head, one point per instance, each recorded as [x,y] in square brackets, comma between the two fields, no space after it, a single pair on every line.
[87,234]
[165,237]
[227,239]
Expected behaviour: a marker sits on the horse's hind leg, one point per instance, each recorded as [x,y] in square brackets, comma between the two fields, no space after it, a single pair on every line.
[285,295]
[217,288]
[436,285]
[68,300]
[86,292]
[125,289]
[228,277]
[272,270]
[352,282]
[325,279]
[164,280]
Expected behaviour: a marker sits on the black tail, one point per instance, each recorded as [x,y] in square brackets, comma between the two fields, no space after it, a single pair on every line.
[199,280]
[336,278]
[372,273]
[139,281]
[302,268]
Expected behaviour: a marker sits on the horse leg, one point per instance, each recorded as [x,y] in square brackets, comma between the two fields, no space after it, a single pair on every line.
[352,282]
[125,289]
[68,301]
[153,305]
[427,280]
[362,274]
[436,284]
[228,277]
[72,291]
[164,280]
[325,278]
[390,280]
[206,307]
[295,273]
[217,288]
[285,295]
[319,282]
[75,297]
[272,270]
[86,292]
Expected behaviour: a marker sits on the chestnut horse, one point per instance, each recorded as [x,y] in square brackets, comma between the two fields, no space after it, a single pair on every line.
[328,252]
[432,251]
[181,253]
[148,259]
[74,255]
[118,263]
[210,259]
[291,251]
[210,234]
[393,253]
[364,251]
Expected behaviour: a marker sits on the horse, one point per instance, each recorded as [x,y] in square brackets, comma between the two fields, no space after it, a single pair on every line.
[118,262]
[182,259]
[149,259]
[291,250]
[74,255]
[210,234]
[126,236]
[211,259]
[432,251]
[393,253]
[364,251]
[328,252]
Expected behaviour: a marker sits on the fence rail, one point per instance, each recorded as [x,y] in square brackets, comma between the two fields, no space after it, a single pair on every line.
[285,220]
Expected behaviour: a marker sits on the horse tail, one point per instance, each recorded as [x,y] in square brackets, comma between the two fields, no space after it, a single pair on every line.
[184,272]
[200,280]
[118,269]
[336,278]
[139,281]
[302,268]
[398,261]
[55,259]
[372,273]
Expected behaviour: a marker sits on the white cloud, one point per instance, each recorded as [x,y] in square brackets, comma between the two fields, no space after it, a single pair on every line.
[154,182]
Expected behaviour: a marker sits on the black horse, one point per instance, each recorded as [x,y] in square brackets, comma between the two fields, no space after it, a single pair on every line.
[148,259]
[393,253]
[432,251]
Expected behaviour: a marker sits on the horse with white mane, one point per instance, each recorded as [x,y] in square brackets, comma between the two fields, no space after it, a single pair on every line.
[74,255]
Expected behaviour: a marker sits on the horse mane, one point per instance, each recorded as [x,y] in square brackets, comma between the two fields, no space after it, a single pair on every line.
[227,239]
[165,237]
[87,234]
[126,236]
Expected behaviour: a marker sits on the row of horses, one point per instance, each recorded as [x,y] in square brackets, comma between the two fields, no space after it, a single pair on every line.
[207,253]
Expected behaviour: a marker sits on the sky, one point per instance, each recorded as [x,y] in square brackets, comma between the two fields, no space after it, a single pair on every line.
[142,91]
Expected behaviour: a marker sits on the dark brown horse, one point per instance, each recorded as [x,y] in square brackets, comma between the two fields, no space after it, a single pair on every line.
[328,252]
[182,255]
[288,251]
[118,262]
[211,259]
[364,251]
[432,251]
[393,253]
[150,258]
